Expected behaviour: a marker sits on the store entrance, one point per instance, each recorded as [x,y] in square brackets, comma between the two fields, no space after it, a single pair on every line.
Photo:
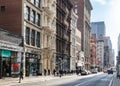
[31,67]
[6,67]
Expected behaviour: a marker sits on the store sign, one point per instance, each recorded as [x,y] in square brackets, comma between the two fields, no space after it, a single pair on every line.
[11,47]
[6,53]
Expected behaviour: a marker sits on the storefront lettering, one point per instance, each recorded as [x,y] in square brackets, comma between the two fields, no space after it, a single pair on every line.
[10,47]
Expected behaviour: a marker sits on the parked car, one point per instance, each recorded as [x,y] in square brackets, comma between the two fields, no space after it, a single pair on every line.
[105,70]
[94,70]
[84,72]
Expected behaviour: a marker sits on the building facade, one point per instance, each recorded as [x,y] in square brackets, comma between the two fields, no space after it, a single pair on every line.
[83,9]
[118,44]
[49,35]
[63,11]
[74,18]
[118,47]
[108,45]
[25,19]
[98,28]
[100,54]
[80,59]
[11,53]
[93,51]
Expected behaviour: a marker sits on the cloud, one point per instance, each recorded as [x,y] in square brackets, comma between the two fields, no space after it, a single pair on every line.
[114,13]
[113,21]
[108,11]
[103,2]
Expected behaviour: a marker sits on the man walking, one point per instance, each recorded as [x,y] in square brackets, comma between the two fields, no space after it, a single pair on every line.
[21,76]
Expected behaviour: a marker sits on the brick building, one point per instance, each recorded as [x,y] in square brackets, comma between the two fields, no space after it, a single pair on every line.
[23,17]
[83,9]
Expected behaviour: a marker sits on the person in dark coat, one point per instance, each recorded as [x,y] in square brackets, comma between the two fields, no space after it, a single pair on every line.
[60,72]
[54,71]
[21,76]
[48,71]
[77,72]
[45,72]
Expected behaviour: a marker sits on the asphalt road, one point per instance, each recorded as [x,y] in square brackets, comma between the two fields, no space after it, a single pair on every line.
[89,80]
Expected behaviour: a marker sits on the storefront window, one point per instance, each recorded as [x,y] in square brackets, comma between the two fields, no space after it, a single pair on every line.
[32,67]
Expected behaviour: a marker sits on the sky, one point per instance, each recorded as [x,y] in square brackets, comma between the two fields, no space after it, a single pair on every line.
[109,12]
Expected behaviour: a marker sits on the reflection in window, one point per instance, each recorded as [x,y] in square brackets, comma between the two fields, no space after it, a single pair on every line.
[33,16]
[27,35]
[38,19]
[27,13]
[33,38]
[76,10]
[38,39]
[38,3]
[33,1]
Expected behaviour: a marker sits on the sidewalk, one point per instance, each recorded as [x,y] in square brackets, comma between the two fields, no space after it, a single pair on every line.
[15,81]
[31,79]
[115,81]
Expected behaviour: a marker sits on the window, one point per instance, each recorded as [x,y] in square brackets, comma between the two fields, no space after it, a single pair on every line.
[33,38]
[38,19]
[38,3]
[38,39]
[2,8]
[33,1]
[33,16]
[27,35]
[73,51]
[27,13]
[76,10]
[76,5]
[57,45]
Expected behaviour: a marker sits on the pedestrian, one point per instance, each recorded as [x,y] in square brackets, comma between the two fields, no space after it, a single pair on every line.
[48,71]
[65,72]
[77,71]
[60,72]
[45,72]
[21,76]
[54,71]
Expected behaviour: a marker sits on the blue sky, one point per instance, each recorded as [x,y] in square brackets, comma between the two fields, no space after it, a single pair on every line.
[109,12]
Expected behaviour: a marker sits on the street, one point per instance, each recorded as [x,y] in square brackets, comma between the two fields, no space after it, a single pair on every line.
[100,79]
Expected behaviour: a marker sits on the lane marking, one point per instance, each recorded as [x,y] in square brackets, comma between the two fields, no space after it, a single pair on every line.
[88,81]
[111,81]
[110,84]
